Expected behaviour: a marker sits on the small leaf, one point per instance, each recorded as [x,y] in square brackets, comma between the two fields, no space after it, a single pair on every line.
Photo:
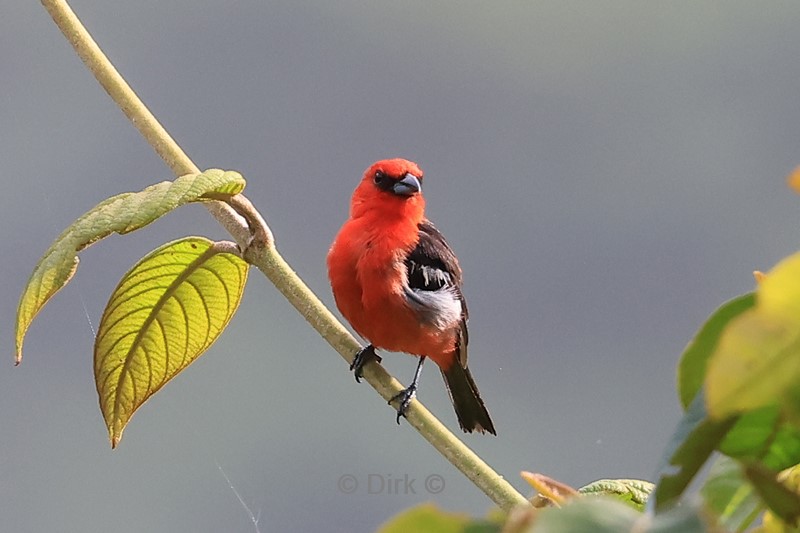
[693,441]
[161,317]
[122,214]
[551,491]
[427,518]
[730,496]
[757,360]
[692,367]
[634,492]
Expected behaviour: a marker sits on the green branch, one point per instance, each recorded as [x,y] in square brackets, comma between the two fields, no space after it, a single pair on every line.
[253,236]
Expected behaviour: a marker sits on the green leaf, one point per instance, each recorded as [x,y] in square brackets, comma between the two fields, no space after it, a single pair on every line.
[634,492]
[161,317]
[781,500]
[684,519]
[122,214]
[692,367]
[772,522]
[693,441]
[427,518]
[598,515]
[603,515]
[757,360]
[763,435]
[730,496]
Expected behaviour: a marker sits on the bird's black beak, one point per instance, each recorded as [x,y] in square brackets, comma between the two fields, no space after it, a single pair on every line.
[407,186]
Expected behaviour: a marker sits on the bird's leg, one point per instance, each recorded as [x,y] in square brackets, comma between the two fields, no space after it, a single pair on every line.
[364,355]
[406,395]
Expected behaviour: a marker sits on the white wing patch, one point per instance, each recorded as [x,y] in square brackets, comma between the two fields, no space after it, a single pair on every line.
[440,308]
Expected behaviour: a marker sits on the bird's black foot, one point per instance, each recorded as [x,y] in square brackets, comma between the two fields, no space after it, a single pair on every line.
[364,355]
[404,397]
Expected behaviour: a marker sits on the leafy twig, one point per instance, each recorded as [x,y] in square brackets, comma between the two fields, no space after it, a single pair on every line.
[265,256]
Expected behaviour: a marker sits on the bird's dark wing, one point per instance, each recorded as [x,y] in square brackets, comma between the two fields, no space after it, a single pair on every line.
[434,284]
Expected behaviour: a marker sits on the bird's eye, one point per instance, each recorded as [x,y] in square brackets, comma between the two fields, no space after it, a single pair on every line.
[381,179]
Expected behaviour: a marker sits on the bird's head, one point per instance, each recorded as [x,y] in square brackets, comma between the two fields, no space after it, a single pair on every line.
[390,185]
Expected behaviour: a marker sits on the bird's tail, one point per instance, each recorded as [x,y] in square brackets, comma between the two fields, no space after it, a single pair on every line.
[472,414]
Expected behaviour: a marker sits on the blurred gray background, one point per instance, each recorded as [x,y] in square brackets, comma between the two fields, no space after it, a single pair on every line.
[608,172]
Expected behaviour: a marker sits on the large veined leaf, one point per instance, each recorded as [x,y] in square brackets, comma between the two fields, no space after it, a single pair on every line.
[634,492]
[122,213]
[161,317]
[757,360]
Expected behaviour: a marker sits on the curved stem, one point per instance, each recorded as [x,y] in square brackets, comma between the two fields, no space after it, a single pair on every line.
[130,104]
[263,254]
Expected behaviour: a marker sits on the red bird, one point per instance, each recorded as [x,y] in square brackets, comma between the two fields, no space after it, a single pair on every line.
[398,283]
